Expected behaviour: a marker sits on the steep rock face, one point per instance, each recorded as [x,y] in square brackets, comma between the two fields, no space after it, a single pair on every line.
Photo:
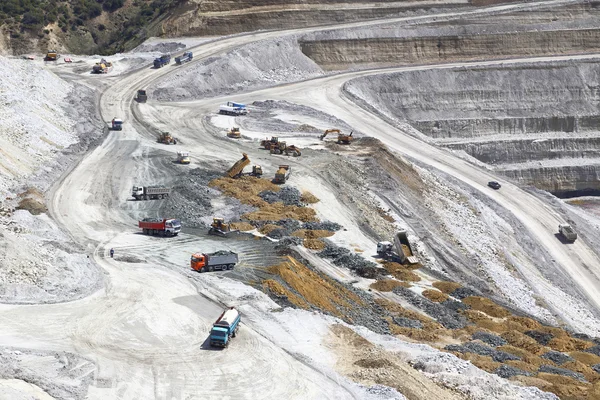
[344,53]
[536,124]
[563,181]
[521,151]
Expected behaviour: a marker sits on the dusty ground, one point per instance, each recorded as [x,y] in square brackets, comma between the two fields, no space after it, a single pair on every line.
[144,332]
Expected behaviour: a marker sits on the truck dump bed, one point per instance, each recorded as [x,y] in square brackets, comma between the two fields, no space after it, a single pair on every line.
[222,257]
[238,167]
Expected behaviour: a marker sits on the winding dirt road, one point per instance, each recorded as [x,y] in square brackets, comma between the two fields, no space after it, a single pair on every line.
[145,330]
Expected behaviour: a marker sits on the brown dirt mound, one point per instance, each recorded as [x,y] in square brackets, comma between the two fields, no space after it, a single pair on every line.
[483,362]
[312,234]
[586,358]
[32,200]
[487,306]
[567,343]
[279,211]
[522,341]
[373,363]
[351,337]
[242,226]
[435,295]
[321,292]
[446,287]
[308,198]
[245,188]
[577,366]
[268,228]
[526,323]
[420,335]
[278,290]
[398,310]
[387,285]
[399,271]
[314,244]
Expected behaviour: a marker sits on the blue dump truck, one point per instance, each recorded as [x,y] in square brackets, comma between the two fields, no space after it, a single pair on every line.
[187,56]
[162,61]
[225,327]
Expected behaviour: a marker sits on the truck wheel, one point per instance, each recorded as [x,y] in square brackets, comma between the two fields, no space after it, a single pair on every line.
[230,266]
[211,268]
[145,197]
[203,269]
[166,195]
[145,231]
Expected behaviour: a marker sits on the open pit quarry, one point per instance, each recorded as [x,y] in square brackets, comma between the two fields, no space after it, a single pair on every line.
[483,299]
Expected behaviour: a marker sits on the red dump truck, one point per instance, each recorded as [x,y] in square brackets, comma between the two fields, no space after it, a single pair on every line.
[162,227]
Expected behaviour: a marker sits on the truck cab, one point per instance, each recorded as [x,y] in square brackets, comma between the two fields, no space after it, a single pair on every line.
[173,226]
[117,124]
[567,232]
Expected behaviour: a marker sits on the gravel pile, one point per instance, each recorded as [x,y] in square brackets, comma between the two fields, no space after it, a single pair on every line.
[288,241]
[562,371]
[489,338]
[287,227]
[482,350]
[190,198]
[463,292]
[345,258]
[166,47]
[448,318]
[596,367]
[594,350]
[322,226]
[454,305]
[507,371]
[288,195]
[541,337]
[407,322]
[558,357]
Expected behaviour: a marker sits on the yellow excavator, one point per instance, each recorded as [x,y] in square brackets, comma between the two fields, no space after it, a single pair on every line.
[341,139]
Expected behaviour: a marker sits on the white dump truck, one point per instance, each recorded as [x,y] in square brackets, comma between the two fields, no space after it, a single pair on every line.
[567,232]
[150,192]
[231,108]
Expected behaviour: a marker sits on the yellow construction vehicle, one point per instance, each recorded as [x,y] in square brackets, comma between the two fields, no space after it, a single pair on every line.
[220,228]
[282,174]
[234,133]
[341,139]
[238,168]
[166,138]
[283,148]
[52,55]
[183,157]
[269,144]
[256,171]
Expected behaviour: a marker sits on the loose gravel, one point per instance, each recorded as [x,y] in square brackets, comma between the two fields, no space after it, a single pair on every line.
[322,226]
[345,258]
[557,357]
[541,337]
[288,195]
[508,371]
[463,292]
[407,322]
[562,371]
[448,318]
[489,338]
[454,305]
[482,350]
[594,350]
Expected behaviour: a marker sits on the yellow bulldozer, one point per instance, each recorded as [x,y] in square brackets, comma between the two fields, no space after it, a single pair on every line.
[166,138]
[220,228]
[341,139]
[234,133]
[52,55]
